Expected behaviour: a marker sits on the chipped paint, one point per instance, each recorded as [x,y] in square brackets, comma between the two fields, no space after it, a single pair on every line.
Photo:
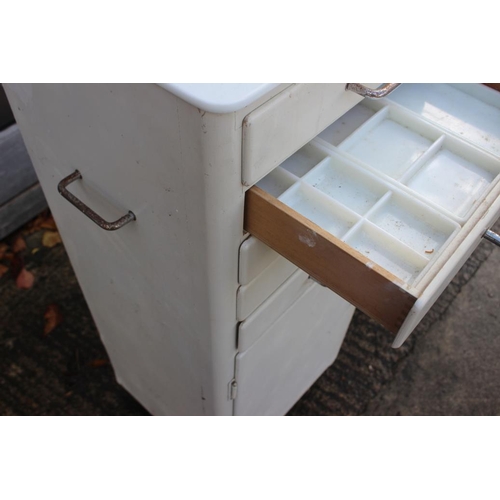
[309,240]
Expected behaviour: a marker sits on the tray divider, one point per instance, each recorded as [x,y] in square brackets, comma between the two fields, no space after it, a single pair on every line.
[329,201]
[433,149]
[379,203]
[287,174]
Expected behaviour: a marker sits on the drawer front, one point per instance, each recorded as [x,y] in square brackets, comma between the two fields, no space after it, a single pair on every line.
[251,295]
[385,215]
[257,323]
[285,361]
[255,257]
[275,130]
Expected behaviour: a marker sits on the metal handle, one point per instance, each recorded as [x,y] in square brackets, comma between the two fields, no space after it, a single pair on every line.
[492,236]
[372,93]
[108,226]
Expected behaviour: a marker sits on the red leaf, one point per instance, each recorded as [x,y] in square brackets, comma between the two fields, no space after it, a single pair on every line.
[3,270]
[49,223]
[25,279]
[19,244]
[3,250]
[52,318]
[97,363]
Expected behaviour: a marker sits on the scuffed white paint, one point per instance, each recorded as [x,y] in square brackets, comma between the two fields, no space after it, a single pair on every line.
[309,240]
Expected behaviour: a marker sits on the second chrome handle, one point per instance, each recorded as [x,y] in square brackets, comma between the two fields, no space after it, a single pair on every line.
[365,91]
[492,237]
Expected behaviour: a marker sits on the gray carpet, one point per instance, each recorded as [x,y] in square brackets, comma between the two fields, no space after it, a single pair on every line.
[67,372]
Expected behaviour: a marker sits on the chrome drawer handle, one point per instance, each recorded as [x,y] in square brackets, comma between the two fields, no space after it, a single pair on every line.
[108,226]
[492,237]
[372,93]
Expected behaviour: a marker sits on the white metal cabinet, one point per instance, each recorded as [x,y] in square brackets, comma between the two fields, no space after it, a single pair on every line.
[162,290]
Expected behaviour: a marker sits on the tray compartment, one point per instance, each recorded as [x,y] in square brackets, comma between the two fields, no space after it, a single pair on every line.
[346,183]
[424,230]
[469,111]
[303,160]
[455,177]
[320,209]
[339,130]
[277,181]
[388,144]
[381,248]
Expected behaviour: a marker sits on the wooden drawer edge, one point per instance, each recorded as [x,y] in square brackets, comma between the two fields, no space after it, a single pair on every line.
[327,259]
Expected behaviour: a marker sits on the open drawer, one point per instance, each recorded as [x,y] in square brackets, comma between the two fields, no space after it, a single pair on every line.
[385,205]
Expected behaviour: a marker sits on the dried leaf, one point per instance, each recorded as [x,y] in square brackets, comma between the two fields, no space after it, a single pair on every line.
[51,239]
[16,264]
[3,270]
[49,223]
[19,244]
[52,318]
[25,279]
[35,224]
[42,221]
[97,363]
[4,248]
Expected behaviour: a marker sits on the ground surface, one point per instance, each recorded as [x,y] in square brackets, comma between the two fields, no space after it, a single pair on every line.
[53,363]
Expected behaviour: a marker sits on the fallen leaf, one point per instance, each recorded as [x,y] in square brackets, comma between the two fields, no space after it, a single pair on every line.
[97,363]
[25,279]
[52,318]
[35,224]
[4,248]
[19,244]
[49,223]
[16,264]
[35,250]
[3,270]
[51,239]
[38,222]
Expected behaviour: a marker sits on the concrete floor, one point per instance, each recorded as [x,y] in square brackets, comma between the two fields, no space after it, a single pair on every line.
[455,368]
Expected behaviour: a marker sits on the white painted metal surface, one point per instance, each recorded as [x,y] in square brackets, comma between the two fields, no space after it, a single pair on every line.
[271,309]
[292,354]
[162,290]
[219,97]
[289,120]
[251,295]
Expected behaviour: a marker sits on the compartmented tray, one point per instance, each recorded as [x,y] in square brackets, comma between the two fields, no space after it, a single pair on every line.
[397,189]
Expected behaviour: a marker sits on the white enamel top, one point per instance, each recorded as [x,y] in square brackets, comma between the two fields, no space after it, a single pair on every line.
[219,97]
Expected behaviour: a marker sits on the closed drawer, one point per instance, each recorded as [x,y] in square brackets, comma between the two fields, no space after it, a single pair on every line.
[386,214]
[284,360]
[251,295]
[289,120]
[257,323]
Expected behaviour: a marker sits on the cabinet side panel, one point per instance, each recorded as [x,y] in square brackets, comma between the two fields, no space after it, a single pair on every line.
[148,285]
